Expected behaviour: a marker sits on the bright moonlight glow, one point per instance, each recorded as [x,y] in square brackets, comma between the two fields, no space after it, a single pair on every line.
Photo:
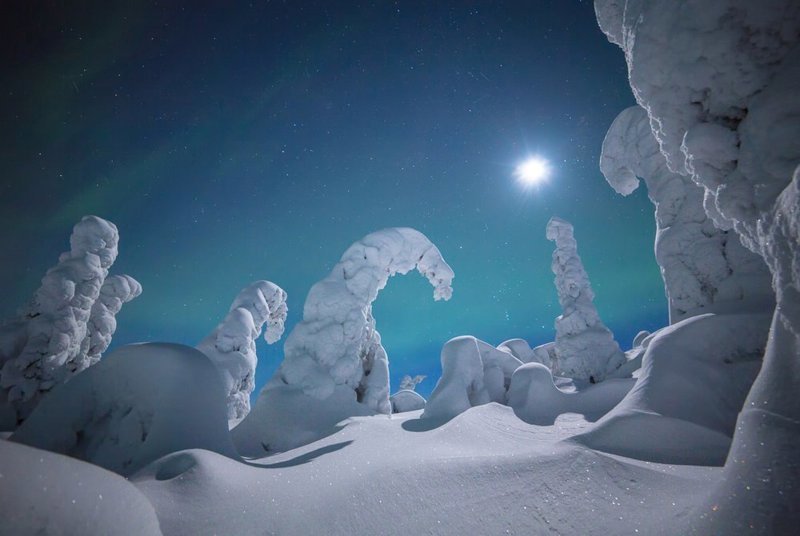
[533,171]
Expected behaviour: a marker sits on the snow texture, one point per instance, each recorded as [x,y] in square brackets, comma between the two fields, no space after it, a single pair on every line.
[705,269]
[335,352]
[46,493]
[473,373]
[67,324]
[139,403]
[519,348]
[720,82]
[536,400]
[694,379]
[411,383]
[585,348]
[407,400]
[232,344]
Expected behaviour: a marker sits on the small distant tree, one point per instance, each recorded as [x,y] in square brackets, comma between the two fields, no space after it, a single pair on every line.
[410,383]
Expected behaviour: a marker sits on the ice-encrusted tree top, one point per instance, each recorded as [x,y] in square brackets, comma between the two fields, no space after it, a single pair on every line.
[231,346]
[337,343]
[585,348]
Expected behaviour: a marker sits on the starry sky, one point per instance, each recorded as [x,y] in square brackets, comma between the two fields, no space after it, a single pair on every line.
[258,140]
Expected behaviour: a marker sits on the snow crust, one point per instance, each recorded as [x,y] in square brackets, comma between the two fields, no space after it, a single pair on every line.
[585,348]
[68,323]
[473,373]
[139,403]
[46,493]
[705,269]
[335,352]
[232,344]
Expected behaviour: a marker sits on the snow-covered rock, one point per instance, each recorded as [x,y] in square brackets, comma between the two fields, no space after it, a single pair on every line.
[232,344]
[705,269]
[719,81]
[695,376]
[473,373]
[46,493]
[336,349]
[536,400]
[139,403]
[61,332]
[585,348]
[407,400]
[519,348]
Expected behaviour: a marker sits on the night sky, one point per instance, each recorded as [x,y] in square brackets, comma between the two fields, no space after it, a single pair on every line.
[230,144]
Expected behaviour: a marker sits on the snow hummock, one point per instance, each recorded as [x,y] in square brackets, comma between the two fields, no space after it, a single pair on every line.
[334,365]
[585,348]
[407,400]
[137,404]
[705,269]
[67,324]
[473,373]
[47,493]
[232,344]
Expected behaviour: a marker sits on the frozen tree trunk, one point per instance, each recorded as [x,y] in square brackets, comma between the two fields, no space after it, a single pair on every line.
[232,344]
[728,116]
[62,331]
[334,365]
[705,269]
[585,349]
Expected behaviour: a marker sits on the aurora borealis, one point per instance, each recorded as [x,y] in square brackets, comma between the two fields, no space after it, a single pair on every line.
[231,144]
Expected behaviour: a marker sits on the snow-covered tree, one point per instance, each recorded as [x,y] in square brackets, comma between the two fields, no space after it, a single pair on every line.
[719,81]
[61,332]
[232,344]
[473,373]
[410,383]
[585,348]
[334,365]
[705,269]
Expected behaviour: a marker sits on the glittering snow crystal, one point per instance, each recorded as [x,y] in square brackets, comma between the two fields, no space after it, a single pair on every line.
[705,269]
[584,347]
[334,365]
[232,344]
[67,324]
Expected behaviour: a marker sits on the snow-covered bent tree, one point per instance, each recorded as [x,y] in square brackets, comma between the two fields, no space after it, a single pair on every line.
[232,344]
[585,349]
[334,361]
[719,81]
[67,325]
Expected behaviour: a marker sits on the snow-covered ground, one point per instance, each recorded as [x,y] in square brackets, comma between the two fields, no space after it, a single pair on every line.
[483,472]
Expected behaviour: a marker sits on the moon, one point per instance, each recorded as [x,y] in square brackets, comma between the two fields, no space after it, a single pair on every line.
[533,171]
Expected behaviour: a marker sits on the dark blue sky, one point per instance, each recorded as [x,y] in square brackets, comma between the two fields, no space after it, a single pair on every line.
[258,140]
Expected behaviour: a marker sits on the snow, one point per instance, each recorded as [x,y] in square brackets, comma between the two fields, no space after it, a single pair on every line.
[232,344]
[585,348]
[139,403]
[407,400]
[64,328]
[705,269]
[46,493]
[337,348]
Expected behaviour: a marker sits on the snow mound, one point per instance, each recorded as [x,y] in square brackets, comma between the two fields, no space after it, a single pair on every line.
[705,269]
[407,400]
[67,324]
[519,348]
[536,400]
[232,345]
[585,348]
[337,347]
[694,378]
[139,403]
[46,493]
[473,373]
